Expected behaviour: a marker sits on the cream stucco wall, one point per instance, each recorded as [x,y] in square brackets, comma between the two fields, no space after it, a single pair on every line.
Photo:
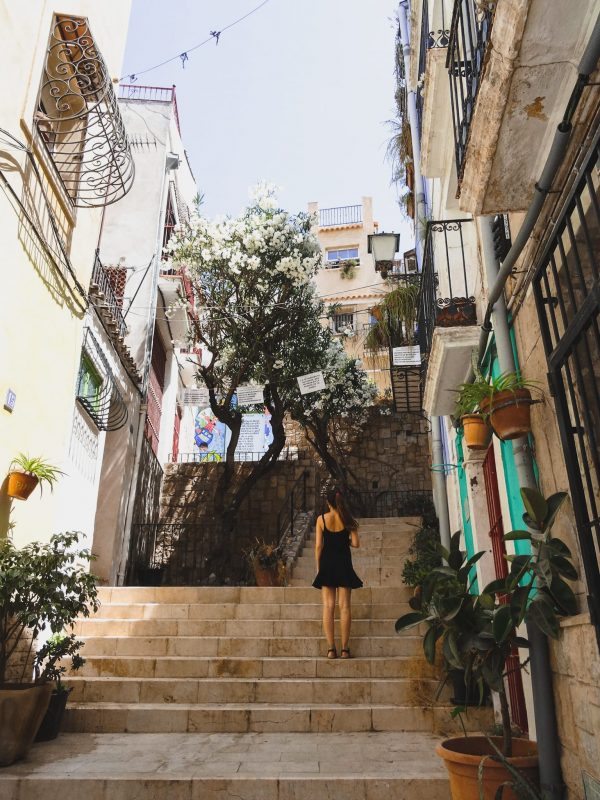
[40,326]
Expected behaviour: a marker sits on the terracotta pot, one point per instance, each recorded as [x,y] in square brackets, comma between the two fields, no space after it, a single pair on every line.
[22,709]
[462,756]
[21,485]
[510,413]
[477,433]
[266,576]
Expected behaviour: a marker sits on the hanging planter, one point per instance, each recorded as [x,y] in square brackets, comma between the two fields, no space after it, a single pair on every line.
[477,432]
[21,485]
[509,413]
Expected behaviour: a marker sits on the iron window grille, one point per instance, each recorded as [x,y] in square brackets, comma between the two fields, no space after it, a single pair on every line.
[501,236]
[78,119]
[342,322]
[97,391]
[470,31]
[566,286]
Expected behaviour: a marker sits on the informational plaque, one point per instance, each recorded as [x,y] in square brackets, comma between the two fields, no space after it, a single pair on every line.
[406,356]
[195,397]
[249,395]
[251,434]
[313,382]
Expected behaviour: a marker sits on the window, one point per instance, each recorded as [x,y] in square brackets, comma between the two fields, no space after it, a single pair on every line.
[90,382]
[170,222]
[343,323]
[334,257]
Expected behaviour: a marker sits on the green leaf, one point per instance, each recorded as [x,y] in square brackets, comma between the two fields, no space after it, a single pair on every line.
[409,620]
[451,651]
[518,604]
[536,506]
[564,596]
[541,614]
[429,641]
[564,567]
[486,601]
[554,502]
[495,586]
[502,623]
[513,536]
[559,546]
[445,571]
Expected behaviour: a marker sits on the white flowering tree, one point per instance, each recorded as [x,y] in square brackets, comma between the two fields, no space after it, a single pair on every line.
[329,416]
[253,277]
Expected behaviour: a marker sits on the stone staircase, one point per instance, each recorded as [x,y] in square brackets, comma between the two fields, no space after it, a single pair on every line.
[222,692]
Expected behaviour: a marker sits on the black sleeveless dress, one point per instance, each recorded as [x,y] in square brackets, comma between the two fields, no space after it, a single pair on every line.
[335,564]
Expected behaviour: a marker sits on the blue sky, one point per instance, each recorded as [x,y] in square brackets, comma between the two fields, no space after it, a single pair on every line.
[297,94]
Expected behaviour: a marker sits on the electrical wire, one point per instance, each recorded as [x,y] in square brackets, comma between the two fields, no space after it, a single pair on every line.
[183,56]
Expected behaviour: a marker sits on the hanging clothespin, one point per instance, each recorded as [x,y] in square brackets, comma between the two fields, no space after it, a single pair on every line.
[133,78]
[184,57]
[215,35]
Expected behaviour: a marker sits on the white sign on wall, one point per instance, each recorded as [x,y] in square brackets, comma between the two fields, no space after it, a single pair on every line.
[252,438]
[194,397]
[248,395]
[313,382]
[406,356]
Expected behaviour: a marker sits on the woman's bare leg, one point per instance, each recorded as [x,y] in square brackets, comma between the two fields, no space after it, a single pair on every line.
[345,615]
[328,595]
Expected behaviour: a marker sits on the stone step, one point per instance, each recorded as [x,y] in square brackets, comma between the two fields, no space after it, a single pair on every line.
[267,667]
[243,594]
[260,766]
[263,717]
[225,627]
[291,691]
[244,610]
[248,646]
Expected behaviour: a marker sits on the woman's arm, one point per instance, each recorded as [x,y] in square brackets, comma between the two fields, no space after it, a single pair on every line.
[354,540]
[318,542]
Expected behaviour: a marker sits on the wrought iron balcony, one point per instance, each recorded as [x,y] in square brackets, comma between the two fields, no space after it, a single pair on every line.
[107,298]
[447,281]
[342,215]
[438,37]
[152,94]
[470,31]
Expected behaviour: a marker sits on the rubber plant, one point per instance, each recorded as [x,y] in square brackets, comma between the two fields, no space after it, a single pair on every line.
[479,631]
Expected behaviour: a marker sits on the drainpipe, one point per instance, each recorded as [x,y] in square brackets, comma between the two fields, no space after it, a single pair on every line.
[551,782]
[118,572]
[438,478]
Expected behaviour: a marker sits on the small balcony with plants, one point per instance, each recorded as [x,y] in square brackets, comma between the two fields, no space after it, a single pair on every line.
[447,312]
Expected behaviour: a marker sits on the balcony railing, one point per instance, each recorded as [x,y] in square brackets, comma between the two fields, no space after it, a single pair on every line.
[208,457]
[342,215]
[157,94]
[448,281]
[101,278]
[469,35]
[431,38]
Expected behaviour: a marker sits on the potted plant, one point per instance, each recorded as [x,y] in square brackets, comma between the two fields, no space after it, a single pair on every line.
[26,473]
[265,559]
[425,553]
[348,269]
[48,666]
[44,587]
[479,631]
[477,432]
[509,405]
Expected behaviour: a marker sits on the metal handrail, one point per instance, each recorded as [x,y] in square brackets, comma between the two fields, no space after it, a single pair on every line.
[208,457]
[287,514]
[102,281]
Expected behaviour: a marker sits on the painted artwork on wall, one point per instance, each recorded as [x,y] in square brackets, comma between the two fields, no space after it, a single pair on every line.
[212,437]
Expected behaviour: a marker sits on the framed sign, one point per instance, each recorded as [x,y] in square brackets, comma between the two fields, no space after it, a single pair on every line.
[249,395]
[194,397]
[406,356]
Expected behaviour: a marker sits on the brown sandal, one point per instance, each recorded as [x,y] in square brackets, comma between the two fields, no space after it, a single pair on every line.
[345,650]
[334,651]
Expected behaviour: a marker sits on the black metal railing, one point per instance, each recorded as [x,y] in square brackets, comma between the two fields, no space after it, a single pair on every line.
[290,453]
[448,281]
[342,215]
[470,31]
[171,553]
[295,502]
[97,388]
[567,293]
[101,279]
[392,503]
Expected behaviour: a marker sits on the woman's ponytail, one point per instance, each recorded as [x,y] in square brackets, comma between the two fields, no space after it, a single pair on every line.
[336,499]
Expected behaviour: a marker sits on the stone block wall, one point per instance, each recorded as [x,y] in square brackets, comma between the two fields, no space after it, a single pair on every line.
[576,676]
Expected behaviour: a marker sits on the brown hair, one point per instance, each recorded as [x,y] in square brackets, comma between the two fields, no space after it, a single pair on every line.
[336,500]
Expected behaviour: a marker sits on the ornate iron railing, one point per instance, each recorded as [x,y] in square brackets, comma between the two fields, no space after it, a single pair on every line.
[567,293]
[287,454]
[448,281]
[170,553]
[470,31]
[392,503]
[98,394]
[101,279]
[78,119]
[342,215]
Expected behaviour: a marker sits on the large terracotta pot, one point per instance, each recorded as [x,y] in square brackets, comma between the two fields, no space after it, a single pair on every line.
[22,709]
[510,413]
[477,433]
[462,757]
[21,485]
[266,576]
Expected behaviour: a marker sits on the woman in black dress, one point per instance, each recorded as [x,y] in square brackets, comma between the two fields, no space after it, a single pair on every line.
[337,532]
